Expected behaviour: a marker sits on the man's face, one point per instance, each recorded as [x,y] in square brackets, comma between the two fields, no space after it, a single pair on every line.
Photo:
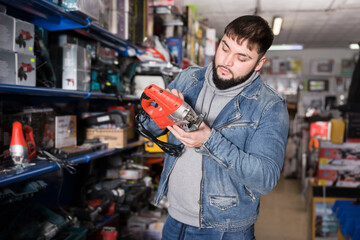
[234,63]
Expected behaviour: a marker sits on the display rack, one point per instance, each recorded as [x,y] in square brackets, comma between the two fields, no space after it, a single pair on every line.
[48,15]
[41,166]
[58,92]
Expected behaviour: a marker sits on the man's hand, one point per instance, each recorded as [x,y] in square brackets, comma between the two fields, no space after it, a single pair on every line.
[191,139]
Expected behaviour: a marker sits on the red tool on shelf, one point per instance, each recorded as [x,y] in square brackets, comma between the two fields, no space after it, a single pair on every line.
[22,148]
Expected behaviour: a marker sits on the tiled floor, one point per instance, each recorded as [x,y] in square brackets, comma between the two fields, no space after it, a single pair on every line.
[283,214]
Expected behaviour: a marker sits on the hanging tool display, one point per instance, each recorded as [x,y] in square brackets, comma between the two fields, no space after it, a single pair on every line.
[166,109]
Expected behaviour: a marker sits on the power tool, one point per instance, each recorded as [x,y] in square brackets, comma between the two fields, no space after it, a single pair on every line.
[22,148]
[167,110]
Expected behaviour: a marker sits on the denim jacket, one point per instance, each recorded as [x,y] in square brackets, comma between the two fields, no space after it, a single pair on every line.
[243,156]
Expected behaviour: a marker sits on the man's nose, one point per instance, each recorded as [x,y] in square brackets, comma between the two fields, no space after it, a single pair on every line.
[228,60]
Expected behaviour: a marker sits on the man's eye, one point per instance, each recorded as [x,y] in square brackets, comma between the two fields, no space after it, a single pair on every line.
[241,59]
[225,49]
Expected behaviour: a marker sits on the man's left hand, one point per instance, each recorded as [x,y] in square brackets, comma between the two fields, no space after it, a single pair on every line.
[191,139]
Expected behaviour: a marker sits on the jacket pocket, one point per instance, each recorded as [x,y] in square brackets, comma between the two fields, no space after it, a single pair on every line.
[250,193]
[223,202]
[243,124]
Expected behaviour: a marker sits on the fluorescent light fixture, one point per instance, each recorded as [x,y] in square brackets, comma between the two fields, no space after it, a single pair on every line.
[277,22]
[286,47]
[354,46]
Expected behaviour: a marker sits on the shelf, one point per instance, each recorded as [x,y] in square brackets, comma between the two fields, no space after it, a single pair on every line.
[41,167]
[58,92]
[45,14]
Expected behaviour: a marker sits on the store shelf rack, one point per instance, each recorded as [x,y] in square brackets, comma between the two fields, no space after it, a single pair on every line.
[42,166]
[48,15]
[58,92]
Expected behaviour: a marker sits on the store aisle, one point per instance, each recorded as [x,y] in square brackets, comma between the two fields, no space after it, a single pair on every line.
[283,214]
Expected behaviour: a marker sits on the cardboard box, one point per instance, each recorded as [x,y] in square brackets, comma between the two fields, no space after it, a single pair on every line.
[72,66]
[320,130]
[8,70]
[116,138]
[17,68]
[76,80]
[65,131]
[76,57]
[350,151]
[7,29]
[26,69]
[340,176]
[24,37]
[337,133]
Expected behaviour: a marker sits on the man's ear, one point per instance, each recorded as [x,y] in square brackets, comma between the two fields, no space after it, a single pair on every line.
[260,63]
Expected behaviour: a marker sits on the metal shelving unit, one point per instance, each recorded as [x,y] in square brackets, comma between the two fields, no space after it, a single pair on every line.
[58,92]
[42,167]
[45,14]
[48,15]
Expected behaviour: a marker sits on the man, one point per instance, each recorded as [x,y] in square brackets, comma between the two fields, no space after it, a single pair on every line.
[236,155]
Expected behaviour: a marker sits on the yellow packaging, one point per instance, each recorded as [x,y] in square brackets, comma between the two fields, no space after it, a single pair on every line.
[150,146]
[337,130]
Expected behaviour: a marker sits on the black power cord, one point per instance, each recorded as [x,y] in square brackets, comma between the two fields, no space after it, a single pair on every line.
[171,149]
[62,164]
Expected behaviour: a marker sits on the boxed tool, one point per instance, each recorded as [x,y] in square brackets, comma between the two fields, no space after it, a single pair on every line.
[75,80]
[65,131]
[116,138]
[76,57]
[108,127]
[7,26]
[345,151]
[7,67]
[17,68]
[338,175]
[24,37]
[26,69]
[72,66]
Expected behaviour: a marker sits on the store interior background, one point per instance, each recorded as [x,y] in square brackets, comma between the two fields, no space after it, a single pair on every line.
[153,46]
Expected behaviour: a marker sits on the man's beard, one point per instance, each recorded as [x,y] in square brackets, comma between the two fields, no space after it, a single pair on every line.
[223,84]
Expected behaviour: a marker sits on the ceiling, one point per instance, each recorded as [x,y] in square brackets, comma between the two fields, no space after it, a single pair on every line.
[312,23]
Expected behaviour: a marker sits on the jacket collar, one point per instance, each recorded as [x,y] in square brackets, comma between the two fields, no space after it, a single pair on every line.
[251,92]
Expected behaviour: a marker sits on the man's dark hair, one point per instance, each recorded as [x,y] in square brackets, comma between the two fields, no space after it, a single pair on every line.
[253,28]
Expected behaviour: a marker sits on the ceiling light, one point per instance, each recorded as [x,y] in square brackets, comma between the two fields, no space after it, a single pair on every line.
[354,46]
[277,25]
[286,47]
